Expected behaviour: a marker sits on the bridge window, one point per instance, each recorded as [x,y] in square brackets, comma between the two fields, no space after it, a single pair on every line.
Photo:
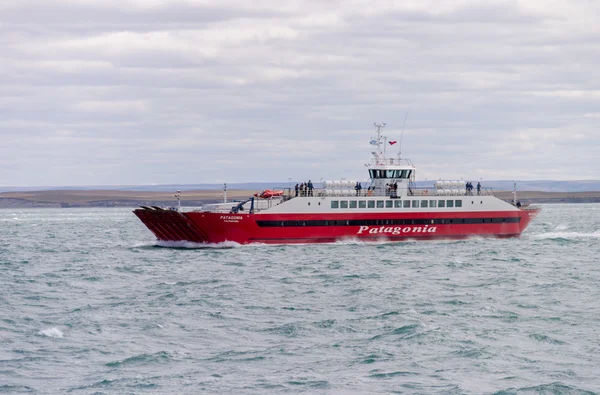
[407,204]
[449,203]
[397,203]
[389,204]
[371,203]
[352,203]
[432,203]
[415,203]
[362,204]
[458,203]
[377,173]
[380,204]
[423,203]
[344,204]
[335,204]
[441,203]
[406,173]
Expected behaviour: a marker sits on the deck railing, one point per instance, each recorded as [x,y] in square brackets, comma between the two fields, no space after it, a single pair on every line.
[391,162]
[290,193]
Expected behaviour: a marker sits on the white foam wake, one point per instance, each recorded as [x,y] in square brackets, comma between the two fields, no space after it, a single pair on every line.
[567,235]
[52,332]
[378,241]
[192,245]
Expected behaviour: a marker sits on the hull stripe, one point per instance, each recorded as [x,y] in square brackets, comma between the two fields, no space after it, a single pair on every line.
[377,222]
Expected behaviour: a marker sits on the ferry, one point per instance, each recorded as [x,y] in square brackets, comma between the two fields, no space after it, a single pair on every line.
[389,207]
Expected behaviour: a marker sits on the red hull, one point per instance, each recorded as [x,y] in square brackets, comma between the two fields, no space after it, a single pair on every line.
[209,227]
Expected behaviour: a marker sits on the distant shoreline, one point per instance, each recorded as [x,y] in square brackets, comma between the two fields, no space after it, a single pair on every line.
[111,198]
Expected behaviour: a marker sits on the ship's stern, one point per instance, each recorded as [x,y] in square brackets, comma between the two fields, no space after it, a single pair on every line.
[527,215]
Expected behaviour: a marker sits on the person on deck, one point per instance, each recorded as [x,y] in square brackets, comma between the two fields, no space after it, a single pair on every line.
[478,189]
[296,189]
[310,188]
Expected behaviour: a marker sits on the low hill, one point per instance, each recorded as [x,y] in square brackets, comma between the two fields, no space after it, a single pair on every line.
[502,185]
[115,198]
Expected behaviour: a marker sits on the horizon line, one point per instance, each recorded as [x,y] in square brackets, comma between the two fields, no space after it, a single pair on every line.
[266,182]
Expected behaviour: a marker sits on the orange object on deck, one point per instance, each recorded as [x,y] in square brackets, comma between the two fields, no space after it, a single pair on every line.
[267,193]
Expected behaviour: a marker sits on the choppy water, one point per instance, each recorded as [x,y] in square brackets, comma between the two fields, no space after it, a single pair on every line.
[89,304]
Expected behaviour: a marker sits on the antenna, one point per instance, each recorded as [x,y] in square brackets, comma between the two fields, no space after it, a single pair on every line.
[401,135]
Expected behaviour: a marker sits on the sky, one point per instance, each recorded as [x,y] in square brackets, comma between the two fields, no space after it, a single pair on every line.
[137,92]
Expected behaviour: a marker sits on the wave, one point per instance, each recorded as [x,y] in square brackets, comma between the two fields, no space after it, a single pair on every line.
[409,240]
[552,388]
[187,245]
[346,241]
[192,245]
[357,241]
[159,357]
[566,235]
[51,332]
[233,244]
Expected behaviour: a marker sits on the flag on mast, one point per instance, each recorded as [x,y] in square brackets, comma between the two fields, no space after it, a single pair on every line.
[392,142]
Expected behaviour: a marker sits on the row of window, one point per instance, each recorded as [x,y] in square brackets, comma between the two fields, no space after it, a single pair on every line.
[390,173]
[394,203]
[378,222]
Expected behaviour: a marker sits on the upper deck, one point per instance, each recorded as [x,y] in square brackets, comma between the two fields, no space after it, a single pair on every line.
[391,185]
[323,199]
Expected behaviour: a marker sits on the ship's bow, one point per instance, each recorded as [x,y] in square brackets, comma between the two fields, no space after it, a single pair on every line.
[169,225]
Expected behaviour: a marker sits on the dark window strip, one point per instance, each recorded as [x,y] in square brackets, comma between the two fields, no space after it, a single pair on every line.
[379,222]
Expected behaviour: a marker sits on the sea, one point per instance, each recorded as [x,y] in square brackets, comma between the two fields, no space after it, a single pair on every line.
[90,303]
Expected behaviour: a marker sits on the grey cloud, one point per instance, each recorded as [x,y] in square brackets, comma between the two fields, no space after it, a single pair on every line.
[189,93]
[82,18]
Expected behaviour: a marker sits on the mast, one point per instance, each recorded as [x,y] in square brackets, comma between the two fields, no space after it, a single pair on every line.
[384,145]
[377,141]
[178,197]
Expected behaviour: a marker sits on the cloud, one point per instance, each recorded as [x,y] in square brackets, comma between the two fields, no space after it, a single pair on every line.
[118,106]
[189,91]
